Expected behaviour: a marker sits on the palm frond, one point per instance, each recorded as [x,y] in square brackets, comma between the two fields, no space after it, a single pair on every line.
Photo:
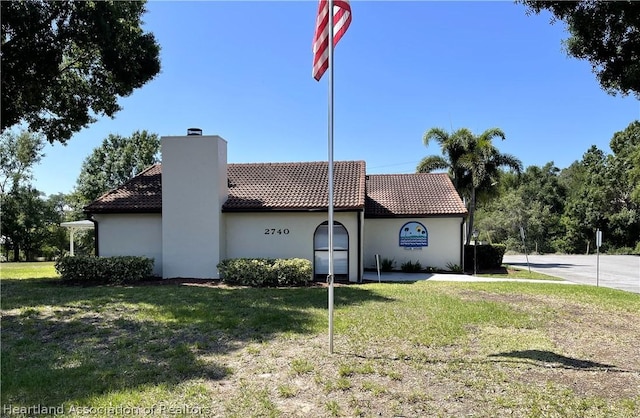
[492,133]
[438,134]
[510,161]
[432,163]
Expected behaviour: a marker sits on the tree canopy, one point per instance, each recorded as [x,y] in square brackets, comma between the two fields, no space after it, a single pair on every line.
[29,223]
[626,146]
[65,62]
[19,152]
[114,162]
[26,221]
[561,209]
[606,33]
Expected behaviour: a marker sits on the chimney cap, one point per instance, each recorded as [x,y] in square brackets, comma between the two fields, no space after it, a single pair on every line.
[194,131]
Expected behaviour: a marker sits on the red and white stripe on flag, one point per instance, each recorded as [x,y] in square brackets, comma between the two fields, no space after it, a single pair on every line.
[341,21]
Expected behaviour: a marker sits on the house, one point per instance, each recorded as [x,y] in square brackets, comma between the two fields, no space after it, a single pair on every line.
[195,209]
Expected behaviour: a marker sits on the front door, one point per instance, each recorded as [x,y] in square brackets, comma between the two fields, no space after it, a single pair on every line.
[340,251]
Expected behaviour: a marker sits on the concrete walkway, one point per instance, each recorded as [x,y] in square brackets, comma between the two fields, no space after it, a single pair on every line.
[387,277]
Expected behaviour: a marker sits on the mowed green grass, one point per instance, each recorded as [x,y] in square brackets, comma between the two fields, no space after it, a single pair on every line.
[32,270]
[519,273]
[443,349]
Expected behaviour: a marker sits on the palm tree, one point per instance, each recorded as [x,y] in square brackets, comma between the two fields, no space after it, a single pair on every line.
[473,162]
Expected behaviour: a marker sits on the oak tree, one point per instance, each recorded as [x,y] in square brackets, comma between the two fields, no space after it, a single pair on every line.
[65,62]
[114,162]
[19,152]
[606,33]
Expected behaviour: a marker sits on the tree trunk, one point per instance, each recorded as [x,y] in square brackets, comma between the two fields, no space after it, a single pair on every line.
[16,252]
[472,209]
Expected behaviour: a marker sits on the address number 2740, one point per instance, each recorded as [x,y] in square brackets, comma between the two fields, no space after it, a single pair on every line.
[276,231]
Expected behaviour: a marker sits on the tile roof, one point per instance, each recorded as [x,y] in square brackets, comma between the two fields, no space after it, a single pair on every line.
[294,186]
[141,194]
[301,186]
[419,194]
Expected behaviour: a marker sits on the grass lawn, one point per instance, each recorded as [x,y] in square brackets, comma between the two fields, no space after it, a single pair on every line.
[509,272]
[31,270]
[420,349]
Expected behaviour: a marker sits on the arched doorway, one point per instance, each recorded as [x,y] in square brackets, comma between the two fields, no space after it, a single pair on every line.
[340,251]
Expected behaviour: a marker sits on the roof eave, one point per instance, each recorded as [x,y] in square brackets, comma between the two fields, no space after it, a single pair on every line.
[101,211]
[415,215]
[289,209]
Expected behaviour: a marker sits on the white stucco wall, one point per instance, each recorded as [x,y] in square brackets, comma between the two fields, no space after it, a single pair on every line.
[194,187]
[223,195]
[381,236]
[131,234]
[285,235]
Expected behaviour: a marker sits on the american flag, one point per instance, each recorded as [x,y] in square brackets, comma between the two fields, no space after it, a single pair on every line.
[341,21]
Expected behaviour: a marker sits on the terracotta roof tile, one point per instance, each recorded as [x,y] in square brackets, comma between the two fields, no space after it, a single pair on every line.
[294,186]
[301,186]
[268,186]
[143,193]
[420,194]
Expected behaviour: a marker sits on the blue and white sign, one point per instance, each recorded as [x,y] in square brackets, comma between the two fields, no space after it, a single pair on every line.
[414,234]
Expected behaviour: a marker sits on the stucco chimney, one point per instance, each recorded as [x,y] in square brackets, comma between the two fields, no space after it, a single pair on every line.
[194,188]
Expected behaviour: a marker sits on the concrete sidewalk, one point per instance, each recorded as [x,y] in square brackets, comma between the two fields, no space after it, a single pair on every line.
[372,276]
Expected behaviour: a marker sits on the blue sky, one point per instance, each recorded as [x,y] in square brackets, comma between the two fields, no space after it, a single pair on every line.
[242,70]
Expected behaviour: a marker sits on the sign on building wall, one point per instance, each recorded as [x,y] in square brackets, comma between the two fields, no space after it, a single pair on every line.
[413,235]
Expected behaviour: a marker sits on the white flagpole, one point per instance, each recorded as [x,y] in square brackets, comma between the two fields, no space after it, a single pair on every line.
[330,175]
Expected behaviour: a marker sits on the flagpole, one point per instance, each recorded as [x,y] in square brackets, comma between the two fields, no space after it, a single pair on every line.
[330,176]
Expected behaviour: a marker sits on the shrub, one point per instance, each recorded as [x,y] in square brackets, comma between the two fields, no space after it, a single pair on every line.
[489,256]
[456,268]
[293,271]
[410,267]
[387,264]
[259,272]
[109,270]
[248,271]
[620,251]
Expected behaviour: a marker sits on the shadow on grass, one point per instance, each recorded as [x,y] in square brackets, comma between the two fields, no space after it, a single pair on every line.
[68,343]
[558,360]
[540,357]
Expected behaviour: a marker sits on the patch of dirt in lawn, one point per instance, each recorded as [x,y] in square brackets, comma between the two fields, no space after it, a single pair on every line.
[382,380]
[597,351]
[593,369]
[610,341]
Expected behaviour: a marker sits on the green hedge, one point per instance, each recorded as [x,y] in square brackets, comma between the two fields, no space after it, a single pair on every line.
[489,256]
[260,272]
[107,270]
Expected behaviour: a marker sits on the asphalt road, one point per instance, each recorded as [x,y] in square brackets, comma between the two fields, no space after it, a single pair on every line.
[615,271]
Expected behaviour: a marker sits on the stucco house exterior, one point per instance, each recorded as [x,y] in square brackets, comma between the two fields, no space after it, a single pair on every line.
[195,209]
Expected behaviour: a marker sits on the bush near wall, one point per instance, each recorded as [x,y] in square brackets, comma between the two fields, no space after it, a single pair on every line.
[489,256]
[261,272]
[411,267]
[104,270]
